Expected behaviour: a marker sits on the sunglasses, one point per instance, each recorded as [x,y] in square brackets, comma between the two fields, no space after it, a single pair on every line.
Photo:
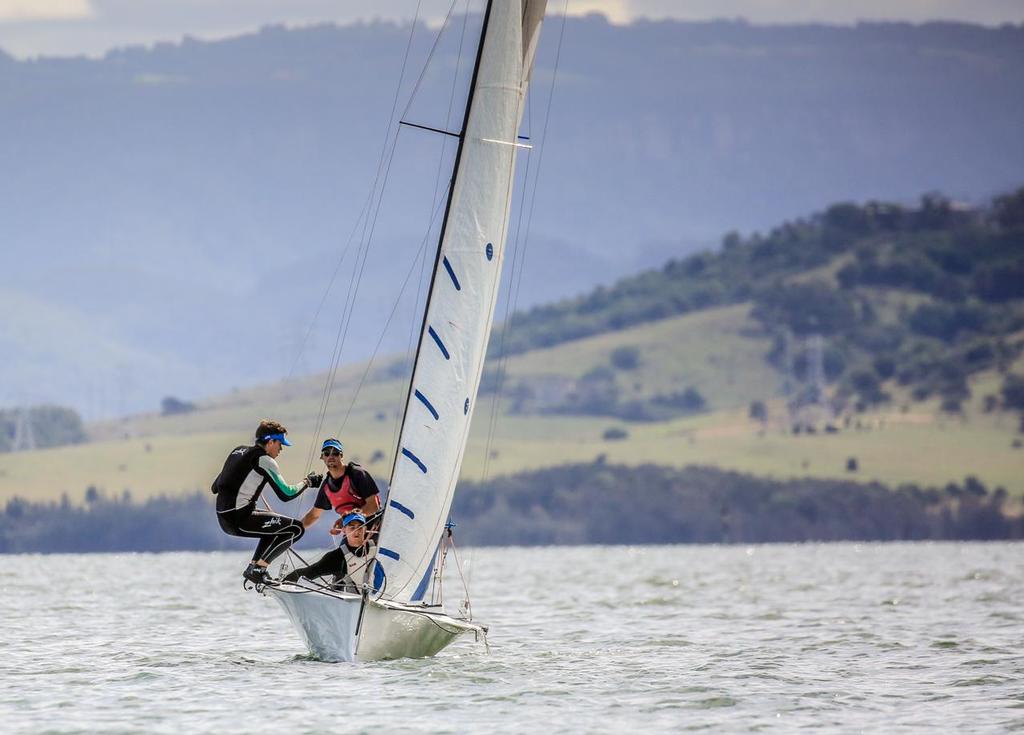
[331,453]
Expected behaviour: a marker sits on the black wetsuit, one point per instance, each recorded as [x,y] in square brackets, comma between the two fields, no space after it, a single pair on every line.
[337,562]
[246,472]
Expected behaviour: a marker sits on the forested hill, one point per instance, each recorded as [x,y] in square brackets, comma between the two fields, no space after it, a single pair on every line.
[927,294]
[201,176]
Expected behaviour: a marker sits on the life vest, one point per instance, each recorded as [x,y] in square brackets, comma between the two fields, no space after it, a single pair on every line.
[344,498]
[358,569]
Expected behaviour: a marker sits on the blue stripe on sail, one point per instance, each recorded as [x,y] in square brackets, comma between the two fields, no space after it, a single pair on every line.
[415,459]
[448,267]
[388,553]
[425,402]
[421,588]
[378,577]
[399,507]
[440,344]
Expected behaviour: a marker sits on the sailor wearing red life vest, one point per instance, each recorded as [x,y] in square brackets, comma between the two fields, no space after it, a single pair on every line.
[346,487]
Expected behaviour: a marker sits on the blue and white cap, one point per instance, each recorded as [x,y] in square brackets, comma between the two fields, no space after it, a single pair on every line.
[278,437]
[352,518]
[332,444]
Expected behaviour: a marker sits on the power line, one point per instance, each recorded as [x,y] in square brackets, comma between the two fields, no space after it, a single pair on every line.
[24,432]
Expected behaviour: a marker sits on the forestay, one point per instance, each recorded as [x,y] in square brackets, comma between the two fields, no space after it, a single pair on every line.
[460,309]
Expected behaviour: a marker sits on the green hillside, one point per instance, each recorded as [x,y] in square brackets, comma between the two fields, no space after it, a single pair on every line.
[153,454]
[869,342]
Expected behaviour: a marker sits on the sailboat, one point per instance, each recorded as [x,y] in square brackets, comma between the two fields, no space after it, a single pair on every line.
[402,615]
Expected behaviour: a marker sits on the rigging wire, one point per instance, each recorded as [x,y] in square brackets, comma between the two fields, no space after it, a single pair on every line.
[420,255]
[430,55]
[327,291]
[467,604]
[451,195]
[451,97]
[383,171]
[339,341]
[501,368]
[387,323]
[369,225]
[369,229]
[515,278]
[517,282]
[435,533]
[502,237]
[404,385]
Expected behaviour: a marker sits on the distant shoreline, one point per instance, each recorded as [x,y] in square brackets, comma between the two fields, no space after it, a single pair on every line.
[573,505]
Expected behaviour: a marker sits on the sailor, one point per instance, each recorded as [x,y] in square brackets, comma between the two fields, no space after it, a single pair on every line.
[351,563]
[238,487]
[346,487]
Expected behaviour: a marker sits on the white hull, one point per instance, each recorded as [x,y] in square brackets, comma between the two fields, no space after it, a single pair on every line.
[329,623]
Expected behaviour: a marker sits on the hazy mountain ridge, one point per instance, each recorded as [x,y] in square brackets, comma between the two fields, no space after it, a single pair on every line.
[210,185]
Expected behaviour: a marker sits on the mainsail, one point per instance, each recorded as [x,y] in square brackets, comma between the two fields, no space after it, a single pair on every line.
[461,303]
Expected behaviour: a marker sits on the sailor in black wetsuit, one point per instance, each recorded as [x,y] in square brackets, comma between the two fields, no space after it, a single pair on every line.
[351,564]
[239,486]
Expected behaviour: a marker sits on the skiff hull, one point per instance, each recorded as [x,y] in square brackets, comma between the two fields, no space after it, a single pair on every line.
[329,623]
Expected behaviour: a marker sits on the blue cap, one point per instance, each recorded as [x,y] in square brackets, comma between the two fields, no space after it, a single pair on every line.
[355,516]
[332,444]
[279,437]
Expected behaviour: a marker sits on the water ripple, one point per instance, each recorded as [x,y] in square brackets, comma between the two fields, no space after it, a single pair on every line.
[840,637]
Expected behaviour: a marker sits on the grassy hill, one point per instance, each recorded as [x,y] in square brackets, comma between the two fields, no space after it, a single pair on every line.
[718,351]
[874,342]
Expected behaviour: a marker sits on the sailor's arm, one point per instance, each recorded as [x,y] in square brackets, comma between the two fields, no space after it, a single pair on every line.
[367,489]
[282,489]
[371,506]
[311,517]
[371,501]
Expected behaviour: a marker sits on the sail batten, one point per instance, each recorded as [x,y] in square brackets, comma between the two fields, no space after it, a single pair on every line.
[462,300]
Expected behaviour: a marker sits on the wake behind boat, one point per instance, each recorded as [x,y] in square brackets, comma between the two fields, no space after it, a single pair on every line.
[401,612]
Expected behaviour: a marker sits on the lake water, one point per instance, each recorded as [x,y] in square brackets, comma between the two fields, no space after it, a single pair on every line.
[836,637]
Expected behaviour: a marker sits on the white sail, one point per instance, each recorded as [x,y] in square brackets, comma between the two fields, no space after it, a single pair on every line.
[461,306]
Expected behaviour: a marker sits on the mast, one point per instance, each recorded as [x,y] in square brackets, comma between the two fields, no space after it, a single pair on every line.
[461,301]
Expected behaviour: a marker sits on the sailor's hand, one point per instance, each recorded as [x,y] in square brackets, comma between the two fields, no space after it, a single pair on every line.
[336,528]
[314,480]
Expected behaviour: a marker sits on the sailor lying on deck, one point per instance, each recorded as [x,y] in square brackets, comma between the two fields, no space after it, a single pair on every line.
[351,563]
[346,488]
[239,487]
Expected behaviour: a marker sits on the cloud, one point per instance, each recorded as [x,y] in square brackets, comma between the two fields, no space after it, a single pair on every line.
[35,10]
[68,27]
[617,11]
[815,11]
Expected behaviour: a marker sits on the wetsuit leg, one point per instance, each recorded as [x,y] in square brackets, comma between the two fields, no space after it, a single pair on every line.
[333,562]
[275,532]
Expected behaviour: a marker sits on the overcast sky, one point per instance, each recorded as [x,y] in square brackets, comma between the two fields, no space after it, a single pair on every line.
[70,27]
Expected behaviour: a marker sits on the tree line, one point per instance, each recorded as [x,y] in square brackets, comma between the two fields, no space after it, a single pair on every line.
[588,503]
[598,503]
